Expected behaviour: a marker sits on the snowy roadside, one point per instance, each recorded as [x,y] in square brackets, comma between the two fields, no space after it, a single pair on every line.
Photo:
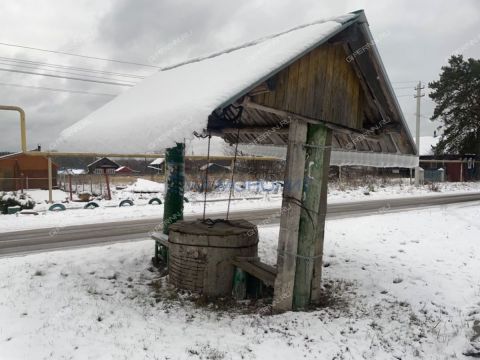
[109,210]
[108,214]
[400,285]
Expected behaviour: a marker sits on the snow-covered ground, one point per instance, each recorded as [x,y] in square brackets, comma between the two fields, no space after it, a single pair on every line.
[254,198]
[397,286]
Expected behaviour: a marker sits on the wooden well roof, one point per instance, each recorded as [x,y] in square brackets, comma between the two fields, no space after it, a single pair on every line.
[328,71]
[340,81]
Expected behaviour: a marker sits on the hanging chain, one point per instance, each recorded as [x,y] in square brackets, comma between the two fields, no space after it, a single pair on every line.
[206,178]
[233,174]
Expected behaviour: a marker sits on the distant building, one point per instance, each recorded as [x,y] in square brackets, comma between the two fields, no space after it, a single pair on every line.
[103,165]
[125,170]
[157,164]
[19,171]
[215,168]
[456,167]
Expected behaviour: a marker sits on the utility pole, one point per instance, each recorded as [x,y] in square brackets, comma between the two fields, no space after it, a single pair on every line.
[418,96]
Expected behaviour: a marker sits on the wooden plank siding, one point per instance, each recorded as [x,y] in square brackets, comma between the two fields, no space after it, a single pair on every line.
[320,85]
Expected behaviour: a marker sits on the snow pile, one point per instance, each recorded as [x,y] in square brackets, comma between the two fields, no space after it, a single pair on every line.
[41,196]
[170,105]
[395,288]
[11,199]
[146,186]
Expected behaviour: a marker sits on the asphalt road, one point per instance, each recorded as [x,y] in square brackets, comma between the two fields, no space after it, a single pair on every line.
[20,242]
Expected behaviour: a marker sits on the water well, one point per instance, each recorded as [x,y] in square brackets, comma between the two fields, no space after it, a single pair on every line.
[201,253]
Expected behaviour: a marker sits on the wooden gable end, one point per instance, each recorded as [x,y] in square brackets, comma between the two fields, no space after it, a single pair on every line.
[321,85]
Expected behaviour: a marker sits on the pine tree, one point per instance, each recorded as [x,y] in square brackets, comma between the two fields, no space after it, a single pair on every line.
[457,98]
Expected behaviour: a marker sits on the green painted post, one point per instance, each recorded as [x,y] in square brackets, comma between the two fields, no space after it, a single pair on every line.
[175,181]
[175,177]
[312,215]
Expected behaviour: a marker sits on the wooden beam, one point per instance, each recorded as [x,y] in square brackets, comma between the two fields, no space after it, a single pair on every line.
[264,87]
[249,130]
[293,116]
[312,217]
[290,217]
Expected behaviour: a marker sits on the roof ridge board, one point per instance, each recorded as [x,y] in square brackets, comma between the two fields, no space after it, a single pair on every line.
[343,19]
[383,72]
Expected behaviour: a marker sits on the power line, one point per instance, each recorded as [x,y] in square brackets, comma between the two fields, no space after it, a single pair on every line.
[39,63]
[57,89]
[66,77]
[80,55]
[58,71]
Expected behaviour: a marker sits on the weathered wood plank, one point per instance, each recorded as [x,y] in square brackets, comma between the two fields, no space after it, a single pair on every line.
[292,85]
[281,89]
[322,85]
[320,225]
[290,217]
[259,270]
[319,83]
[329,74]
[311,75]
[312,217]
[302,85]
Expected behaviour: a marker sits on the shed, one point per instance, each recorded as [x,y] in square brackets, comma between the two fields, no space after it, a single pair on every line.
[157,164]
[19,171]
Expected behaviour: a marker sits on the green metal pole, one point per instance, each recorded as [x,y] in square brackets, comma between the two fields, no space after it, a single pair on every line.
[175,181]
[312,215]
[175,177]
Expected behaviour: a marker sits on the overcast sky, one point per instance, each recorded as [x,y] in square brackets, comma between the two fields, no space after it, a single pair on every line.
[414,39]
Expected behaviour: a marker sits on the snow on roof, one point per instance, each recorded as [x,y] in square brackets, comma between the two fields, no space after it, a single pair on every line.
[170,105]
[126,169]
[426,143]
[209,165]
[72,171]
[158,161]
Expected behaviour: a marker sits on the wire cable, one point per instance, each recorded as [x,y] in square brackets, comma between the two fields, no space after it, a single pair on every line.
[79,55]
[206,178]
[61,71]
[39,63]
[57,89]
[66,77]
[232,184]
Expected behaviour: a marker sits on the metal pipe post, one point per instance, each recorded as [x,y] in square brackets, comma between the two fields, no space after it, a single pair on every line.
[50,181]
